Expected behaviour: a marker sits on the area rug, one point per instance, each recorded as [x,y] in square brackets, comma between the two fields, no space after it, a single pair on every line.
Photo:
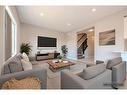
[78,67]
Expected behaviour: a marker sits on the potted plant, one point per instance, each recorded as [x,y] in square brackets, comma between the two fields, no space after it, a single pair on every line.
[59,57]
[25,47]
[64,50]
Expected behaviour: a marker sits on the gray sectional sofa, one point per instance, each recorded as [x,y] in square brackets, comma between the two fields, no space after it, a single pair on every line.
[99,76]
[13,68]
[96,76]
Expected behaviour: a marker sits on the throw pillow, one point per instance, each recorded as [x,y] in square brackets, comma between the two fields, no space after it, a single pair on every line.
[16,59]
[26,65]
[93,71]
[25,57]
[113,62]
[26,83]
[15,67]
[6,69]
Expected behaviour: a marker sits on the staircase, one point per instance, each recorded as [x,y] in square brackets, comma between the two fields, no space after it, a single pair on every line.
[81,45]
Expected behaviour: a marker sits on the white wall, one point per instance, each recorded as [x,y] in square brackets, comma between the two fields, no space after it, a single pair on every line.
[125,27]
[71,42]
[29,34]
[125,33]
[89,52]
[124,54]
[114,21]
[2,32]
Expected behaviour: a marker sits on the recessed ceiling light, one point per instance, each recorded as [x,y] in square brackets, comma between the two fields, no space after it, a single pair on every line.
[93,10]
[68,24]
[91,30]
[41,14]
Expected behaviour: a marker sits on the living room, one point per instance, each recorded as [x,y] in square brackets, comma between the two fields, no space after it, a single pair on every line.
[115,21]
[45,29]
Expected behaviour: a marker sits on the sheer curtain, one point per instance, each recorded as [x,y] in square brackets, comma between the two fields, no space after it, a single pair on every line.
[8,36]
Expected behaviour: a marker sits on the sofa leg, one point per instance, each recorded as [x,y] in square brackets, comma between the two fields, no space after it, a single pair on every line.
[114,87]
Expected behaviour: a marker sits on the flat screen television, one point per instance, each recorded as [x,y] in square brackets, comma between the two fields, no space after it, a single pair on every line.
[46,42]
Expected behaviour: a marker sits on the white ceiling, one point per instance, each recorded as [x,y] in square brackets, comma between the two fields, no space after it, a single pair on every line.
[57,17]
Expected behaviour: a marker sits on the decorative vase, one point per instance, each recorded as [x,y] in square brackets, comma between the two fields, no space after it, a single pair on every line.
[60,60]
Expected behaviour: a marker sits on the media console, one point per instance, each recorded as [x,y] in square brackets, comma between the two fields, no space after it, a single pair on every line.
[44,56]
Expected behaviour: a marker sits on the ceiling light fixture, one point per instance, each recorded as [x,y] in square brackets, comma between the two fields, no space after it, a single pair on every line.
[41,14]
[93,10]
[69,24]
[91,30]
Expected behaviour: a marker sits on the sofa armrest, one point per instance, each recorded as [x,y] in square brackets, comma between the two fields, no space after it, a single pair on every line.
[101,81]
[39,73]
[99,62]
[32,58]
[72,81]
[119,73]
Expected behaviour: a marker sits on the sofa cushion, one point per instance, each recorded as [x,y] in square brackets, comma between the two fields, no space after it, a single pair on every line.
[15,67]
[16,58]
[93,71]
[113,62]
[26,65]
[25,57]
[6,69]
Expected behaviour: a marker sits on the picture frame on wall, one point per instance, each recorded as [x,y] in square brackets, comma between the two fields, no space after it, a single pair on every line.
[107,38]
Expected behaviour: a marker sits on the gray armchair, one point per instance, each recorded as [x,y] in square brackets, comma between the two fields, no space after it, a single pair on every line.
[118,68]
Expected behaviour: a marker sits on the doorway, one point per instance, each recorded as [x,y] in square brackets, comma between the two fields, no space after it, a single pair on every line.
[85,45]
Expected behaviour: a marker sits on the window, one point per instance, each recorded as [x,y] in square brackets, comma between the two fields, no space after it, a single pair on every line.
[10,34]
[14,39]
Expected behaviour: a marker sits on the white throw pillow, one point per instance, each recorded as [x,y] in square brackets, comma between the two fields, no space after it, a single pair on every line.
[25,57]
[26,65]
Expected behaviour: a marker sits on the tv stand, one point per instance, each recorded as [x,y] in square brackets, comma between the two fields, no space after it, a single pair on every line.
[45,56]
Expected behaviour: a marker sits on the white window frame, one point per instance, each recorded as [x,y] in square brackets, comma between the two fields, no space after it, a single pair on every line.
[14,32]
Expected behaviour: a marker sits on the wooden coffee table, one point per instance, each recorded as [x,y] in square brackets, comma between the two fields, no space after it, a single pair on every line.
[59,66]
